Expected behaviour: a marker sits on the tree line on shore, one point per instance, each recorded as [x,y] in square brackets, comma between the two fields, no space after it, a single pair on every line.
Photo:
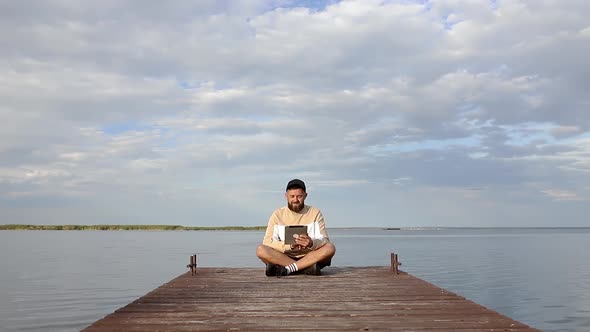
[127,228]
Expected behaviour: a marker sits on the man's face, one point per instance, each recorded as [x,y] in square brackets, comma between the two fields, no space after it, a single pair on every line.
[295,199]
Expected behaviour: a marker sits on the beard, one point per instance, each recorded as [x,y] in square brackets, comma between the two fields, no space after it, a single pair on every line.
[295,208]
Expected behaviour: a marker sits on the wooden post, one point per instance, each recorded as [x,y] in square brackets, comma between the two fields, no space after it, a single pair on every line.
[195,263]
[395,263]
[192,264]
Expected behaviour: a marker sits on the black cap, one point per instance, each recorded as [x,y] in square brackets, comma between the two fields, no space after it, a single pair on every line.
[295,184]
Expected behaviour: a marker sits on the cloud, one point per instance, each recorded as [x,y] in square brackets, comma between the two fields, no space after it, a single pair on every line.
[562,195]
[144,112]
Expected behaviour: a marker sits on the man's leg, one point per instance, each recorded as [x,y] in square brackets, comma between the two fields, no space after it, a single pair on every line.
[269,255]
[321,254]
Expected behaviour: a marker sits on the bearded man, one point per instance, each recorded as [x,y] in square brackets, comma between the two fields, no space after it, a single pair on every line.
[310,252]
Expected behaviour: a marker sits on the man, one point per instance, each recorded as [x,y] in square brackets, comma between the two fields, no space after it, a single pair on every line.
[311,251]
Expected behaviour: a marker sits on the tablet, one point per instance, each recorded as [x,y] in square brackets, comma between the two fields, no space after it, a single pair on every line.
[292,232]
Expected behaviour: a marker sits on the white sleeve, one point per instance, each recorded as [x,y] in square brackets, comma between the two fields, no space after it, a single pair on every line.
[313,230]
[278,233]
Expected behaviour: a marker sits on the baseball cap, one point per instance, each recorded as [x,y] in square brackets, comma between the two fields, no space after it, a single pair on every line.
[296,184]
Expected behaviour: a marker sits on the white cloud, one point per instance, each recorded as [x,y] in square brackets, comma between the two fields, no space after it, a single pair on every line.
[562,195]
[565,131]
[214,105]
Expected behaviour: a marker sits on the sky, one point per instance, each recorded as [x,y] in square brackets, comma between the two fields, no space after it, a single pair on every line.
[395,113]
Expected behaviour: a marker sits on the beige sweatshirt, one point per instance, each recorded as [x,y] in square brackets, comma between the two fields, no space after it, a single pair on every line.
[309,216]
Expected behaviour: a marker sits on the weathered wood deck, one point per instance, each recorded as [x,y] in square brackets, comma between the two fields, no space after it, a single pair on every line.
[341,299]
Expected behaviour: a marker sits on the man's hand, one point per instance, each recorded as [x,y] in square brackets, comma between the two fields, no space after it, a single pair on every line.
[303,242]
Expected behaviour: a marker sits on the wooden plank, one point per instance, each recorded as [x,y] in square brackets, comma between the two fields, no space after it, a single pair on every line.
[342,299]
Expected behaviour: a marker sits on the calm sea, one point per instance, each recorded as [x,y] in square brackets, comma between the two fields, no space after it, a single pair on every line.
[65,280]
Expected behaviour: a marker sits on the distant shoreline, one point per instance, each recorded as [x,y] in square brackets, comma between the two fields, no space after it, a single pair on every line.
[17,227]
[112,227]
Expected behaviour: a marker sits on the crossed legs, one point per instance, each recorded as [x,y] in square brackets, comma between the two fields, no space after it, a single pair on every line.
[321,254]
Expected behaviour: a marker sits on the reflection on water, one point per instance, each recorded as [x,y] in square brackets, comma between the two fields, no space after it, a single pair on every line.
[65,280]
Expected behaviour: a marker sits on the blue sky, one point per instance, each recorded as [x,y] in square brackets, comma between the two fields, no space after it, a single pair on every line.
[395,113]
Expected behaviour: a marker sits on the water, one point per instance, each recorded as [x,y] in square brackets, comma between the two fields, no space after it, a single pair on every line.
[65,280]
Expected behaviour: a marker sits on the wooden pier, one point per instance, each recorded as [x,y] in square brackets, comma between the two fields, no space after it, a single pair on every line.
[341,299]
